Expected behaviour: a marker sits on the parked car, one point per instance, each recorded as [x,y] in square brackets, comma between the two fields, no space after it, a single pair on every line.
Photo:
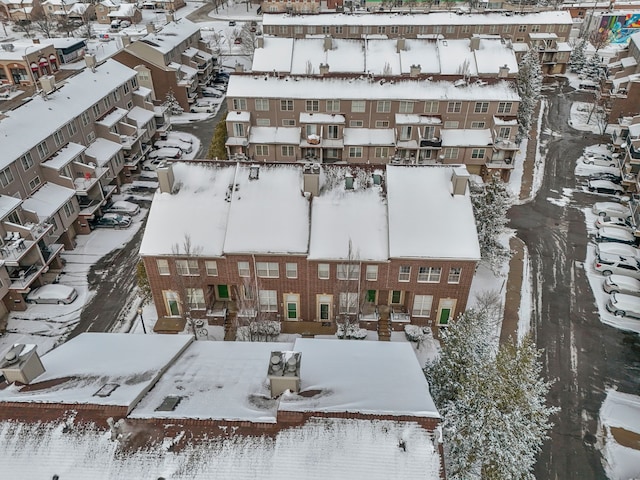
[618,249]
[53,293]
[113,220]
[622,284]
[232,23]
[201,107]
[613,222]
[612,177]
[211,92]
[622,305]
[612,234]
[151,165]
[611,209]
[237,41]
[174,143]
[166,152]
[122,206]
[608,264]
[125,24]
[605,186]
[599,161]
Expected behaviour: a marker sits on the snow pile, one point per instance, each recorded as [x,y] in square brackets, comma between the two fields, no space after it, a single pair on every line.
[620,432]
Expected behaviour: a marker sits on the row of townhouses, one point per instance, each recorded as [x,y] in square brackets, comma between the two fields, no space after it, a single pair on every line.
[310,245]
[65,152]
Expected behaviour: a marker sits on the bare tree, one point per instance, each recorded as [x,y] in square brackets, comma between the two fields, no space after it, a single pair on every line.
[599,39]
[44,24]
[248,39]
[349,296]
[186,283]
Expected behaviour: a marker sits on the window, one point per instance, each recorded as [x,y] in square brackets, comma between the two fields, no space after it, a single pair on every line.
[187,267]
[477,153]
[311,129]
[358,106]
[287,150]
[396,297]
[268,300]
[284,29]
[437,29]
[85,119]
[247,292]
[429,274]
[238,129]
[96,110]
[395,29]
[297,29]
[292,270]
[406,107]
[422,305]
[13,217]
[262,104]
[58,138]
[382,29]
[372,273]
[383,106]
[481,107]
[162,266]
[333,105]
[339,29]
[454,275]
[68,209]
[286,105]
[243,269]
[493,29]
[382,123]
[262,150]
[522,28]
[71,128]
[211,267]
[478,124]
[267,269]
[353,29]
[356,123]
[505,107]
[312,105]
[323,271]
[195,298]
[91,136]
[404,274]
[43,150]
[348,303]
[534,28]
[409,29]
[355,152]
[454,107]
[239,104]
[26,161]
[263,122]
[504,132]
[451,153]
[6,177]
[34,183]
[382,152]
[288,122]
[405,132]
[431,107]
[125,87]
[451,29]
[451,124]
[348,271]
[506,28]
[332,131]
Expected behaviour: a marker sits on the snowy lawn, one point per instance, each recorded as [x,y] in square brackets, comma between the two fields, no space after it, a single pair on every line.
[585,119]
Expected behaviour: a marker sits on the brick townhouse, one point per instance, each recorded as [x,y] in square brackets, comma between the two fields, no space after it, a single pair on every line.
[311,245]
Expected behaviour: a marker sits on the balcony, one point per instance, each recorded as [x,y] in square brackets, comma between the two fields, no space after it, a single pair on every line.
[431,143]
[504,144]
[218,310]
[399,314]
[369,313]
[21,277]
[505,163]
[89,206]
[51,251]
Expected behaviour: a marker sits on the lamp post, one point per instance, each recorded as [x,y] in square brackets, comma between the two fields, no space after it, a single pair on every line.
[144,329]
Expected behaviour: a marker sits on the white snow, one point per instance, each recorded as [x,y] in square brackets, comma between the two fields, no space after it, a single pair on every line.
[369,136]
[66,154]
[103,150]
[275,135]
[580,113]
[47,200]
[466,138]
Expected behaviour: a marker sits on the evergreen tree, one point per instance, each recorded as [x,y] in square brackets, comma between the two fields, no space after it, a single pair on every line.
[529,86]
[171,102]
[578,57]
[593,69]
[217,147]
[490,204]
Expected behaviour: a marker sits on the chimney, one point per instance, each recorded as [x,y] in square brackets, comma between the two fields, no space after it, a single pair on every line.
[170,18]
[475,43]
[151,28]
[21,364]
[328,43]
[48,83]
[415,71]
[239,68]
[36,41]
[311,178]
[90,61]
[260,42]
[254,172]
[165,177]
[284,372]
[401,44]
[503,72]
[459,180]
[324,69]
[126,40]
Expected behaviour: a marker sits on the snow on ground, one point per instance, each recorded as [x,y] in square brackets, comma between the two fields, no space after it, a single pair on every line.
[524,313]
[583,119]
[619,435]
[515,179]
[565,198]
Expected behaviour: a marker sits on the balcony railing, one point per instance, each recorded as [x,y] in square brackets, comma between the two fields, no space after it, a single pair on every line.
[21,278]
[399,314]
[432,143]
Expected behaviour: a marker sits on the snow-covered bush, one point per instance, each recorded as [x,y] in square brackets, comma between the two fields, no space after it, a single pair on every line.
[351,332]
[417,334]
[259,331]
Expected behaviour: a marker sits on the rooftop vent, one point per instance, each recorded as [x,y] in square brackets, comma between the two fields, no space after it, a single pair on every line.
[254,172]
[284,372]
[21,363]
[311,178]
[169,404]
[7,47]
[459,180]
[166,179]
[106,390]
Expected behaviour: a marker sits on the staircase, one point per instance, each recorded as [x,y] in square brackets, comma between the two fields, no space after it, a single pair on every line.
[230,323]
[384,324]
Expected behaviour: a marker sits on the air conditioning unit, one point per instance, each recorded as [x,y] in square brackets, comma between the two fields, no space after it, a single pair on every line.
[284,372]
[8,47]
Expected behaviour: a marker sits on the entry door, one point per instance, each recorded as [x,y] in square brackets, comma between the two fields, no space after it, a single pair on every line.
[446,310]
[171,301]
[223,292]
[292,302]
[324,307]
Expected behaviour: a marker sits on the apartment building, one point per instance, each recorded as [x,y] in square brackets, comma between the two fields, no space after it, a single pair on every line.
[23,62]
[172,58]
[109,10]
[548,32]
[621,89]
[92,130]
[375,120]
[20,10]
[310,245]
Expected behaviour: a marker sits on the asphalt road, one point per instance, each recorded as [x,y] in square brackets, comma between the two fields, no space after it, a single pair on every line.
[583,356]
[203,129]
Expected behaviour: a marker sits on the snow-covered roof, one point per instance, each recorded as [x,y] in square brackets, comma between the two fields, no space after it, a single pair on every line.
[66,154]
[278,58]
[8,204]
[239,116]
[274,207]
[48,200]
[142,116]
[369,136]
[411,119]
[171,35]
[381,378]
[465,137]
[362,89]
[21,48]
[329,118]
[192,52]
[448,229]
[417,19]
[100,369]
[274,135]
[323,448]
[124,10]
[70,99]
[188,71]
[102,150]
[113,117]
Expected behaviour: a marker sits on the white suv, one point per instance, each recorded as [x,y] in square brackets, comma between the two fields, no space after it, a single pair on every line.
[609,264]
[624,305]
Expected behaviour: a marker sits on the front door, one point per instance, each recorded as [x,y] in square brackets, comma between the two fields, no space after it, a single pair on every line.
[223,292]
[292,302]
[324,307]
[446,309]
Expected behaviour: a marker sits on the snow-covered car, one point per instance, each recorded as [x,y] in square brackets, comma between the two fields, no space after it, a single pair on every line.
[611,209]
[113,220]
[212,92]
[613,222]
[53,293]
[606,187]
[174,143]
[122,206]
[612,177]
[613,234]
[166,152]
[202,107]
[152,165]
[599,161]
[622,305]
[622,284]
[618,249]
[609,264]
